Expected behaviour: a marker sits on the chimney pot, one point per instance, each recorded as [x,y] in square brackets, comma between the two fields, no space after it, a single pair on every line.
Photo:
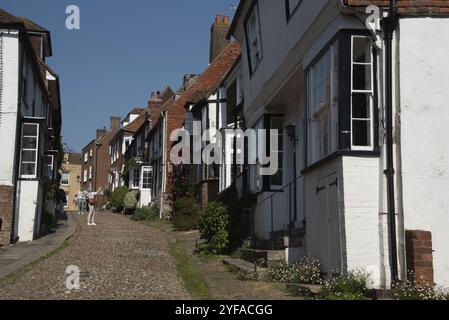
[219,31]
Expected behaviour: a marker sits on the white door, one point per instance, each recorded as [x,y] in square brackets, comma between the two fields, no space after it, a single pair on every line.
[146,181]
[330,241]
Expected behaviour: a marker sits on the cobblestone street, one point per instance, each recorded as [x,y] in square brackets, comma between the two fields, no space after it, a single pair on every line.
[118,259]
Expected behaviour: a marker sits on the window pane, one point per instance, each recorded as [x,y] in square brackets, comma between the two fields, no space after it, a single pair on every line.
[28,169]
[276,179]
[362,77]
[362,50]
[29,156]
[292,5]
[29,143]
[30,130]
[361,106]
[361,135]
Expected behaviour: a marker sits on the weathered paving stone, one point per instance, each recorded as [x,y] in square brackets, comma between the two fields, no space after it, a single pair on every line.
[118,259]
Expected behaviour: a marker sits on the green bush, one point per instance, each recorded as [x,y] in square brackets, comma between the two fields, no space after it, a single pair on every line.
[306,271]
[48,220]
[214,225]
[186,214]
[146,214]
[117,198]
[347,287]
[130,200]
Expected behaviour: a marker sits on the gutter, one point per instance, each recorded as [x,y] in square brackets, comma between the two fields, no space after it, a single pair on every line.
[390,24]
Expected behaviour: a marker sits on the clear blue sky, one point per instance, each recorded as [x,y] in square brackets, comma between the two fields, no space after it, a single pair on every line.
[124,50]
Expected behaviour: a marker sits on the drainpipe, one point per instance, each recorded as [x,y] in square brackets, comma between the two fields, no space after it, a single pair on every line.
[164,161]
[390,26]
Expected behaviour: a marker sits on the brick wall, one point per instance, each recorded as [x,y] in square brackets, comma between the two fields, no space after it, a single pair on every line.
[420,256]
[6,212]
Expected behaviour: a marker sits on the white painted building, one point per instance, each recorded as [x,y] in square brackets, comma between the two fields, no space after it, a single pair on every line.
[30,124]
[312,71]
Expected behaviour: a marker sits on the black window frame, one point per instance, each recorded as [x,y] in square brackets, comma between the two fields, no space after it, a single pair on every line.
[344,100]
[289,12]
[267,185]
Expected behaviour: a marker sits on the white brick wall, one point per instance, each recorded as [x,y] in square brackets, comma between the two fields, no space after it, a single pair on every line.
[424,133]
[8,109]
[361,214]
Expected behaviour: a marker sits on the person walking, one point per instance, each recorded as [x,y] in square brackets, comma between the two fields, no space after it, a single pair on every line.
[77,200]
[92,200]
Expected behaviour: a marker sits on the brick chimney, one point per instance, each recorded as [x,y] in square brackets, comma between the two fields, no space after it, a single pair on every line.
[101,133]
[218,33]
[155,100]
[115,123]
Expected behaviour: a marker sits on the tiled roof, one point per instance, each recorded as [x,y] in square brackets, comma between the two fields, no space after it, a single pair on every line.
[7,18]
[137,123]
[209,79]
[408,7]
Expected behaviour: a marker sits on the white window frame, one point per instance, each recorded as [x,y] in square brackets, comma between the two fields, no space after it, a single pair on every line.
[67,175]
[144,170]
[254,38]
[368,92]
[90,172]
[36,150]
[316,115]
[86,157]
[85,175]
[49,167]
[135,171]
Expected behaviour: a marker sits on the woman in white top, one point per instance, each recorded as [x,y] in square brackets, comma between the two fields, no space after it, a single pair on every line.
[92,197]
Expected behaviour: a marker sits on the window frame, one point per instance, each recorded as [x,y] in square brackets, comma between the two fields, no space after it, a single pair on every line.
[370,94]
[290,13]
[67,174]
[267,183]
[331,108]
[344,111]
[49,167]
[149,170]
[135,172]
[253,9]
[36,150]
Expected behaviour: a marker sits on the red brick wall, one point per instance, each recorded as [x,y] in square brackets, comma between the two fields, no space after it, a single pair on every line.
[6,213]
[420,256]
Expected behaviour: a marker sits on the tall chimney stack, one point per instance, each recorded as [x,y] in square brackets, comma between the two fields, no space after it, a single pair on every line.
[218,40]
[101,133]
[115,123]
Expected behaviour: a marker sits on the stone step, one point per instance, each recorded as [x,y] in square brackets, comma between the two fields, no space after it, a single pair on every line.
[280,242]
[264,258]
[304,289]
[290,232]
[245,268]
